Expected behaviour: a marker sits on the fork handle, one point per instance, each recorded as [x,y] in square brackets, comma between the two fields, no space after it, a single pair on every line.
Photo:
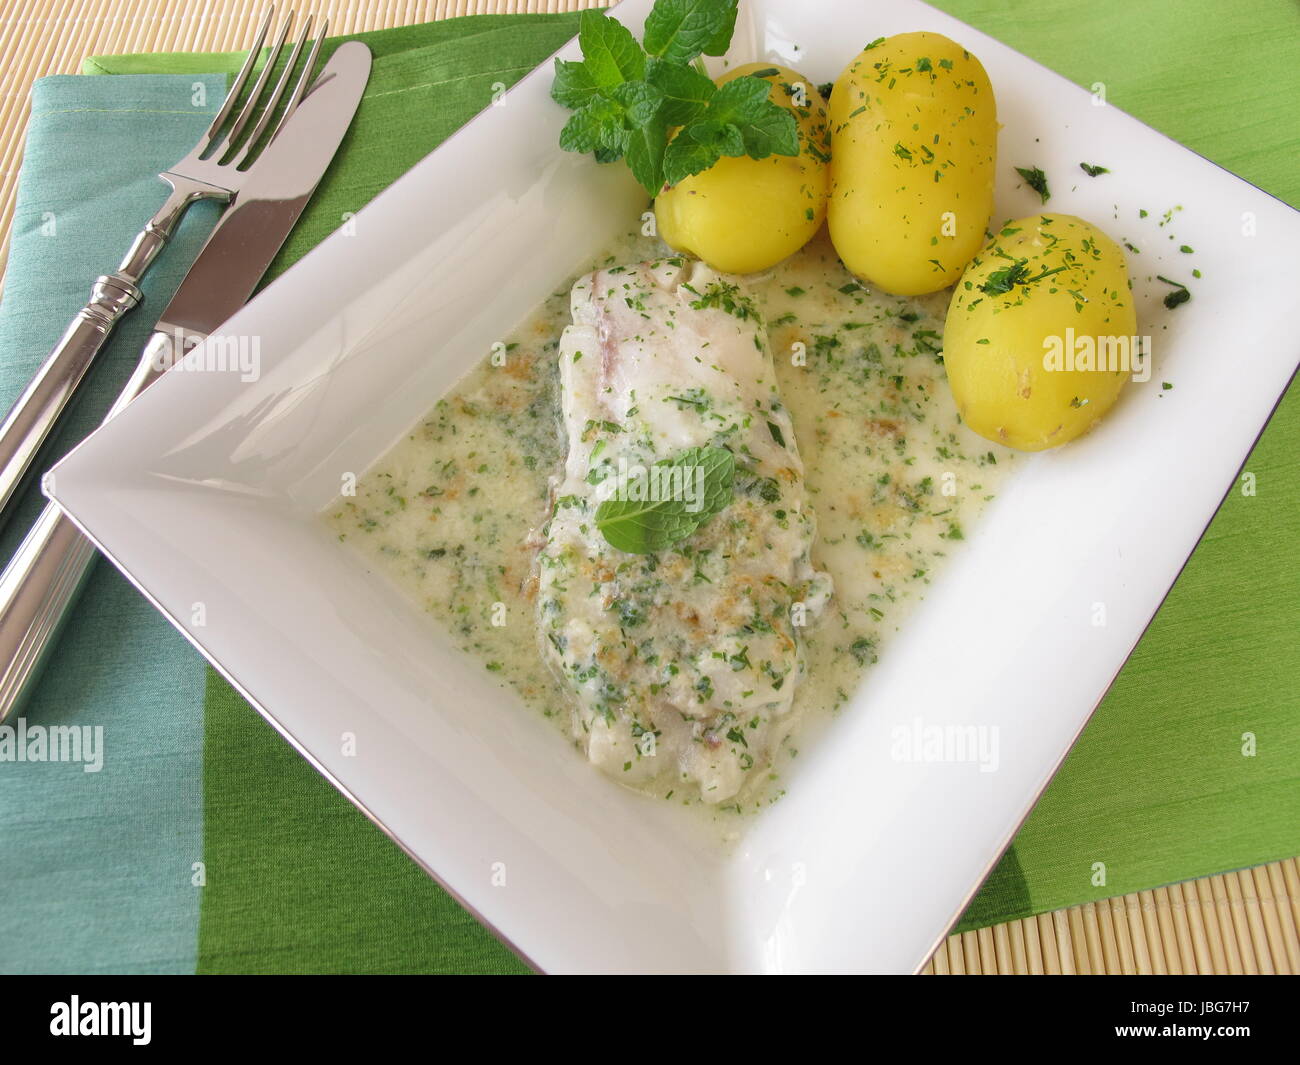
[31,419]
[38,588]
[49,570]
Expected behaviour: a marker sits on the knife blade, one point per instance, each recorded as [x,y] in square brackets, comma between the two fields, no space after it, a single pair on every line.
[241,248]
[43,579]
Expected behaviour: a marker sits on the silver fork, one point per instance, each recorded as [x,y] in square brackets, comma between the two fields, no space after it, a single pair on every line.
[211,171]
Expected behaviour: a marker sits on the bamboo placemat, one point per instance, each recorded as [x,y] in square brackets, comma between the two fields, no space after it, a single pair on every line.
[1242,922]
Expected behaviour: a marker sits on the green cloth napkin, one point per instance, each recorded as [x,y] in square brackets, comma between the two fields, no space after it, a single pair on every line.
[1157,789]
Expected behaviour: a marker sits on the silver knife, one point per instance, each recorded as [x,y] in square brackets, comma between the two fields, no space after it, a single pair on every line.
[43,579]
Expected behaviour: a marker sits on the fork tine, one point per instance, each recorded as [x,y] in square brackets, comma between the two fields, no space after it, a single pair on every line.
[228,104]
[250,105]
[268,112]
[304,81]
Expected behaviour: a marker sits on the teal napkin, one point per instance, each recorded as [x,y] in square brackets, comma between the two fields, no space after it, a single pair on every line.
[97,866]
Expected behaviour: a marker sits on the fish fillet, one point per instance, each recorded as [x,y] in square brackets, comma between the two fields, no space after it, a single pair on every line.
[683,663]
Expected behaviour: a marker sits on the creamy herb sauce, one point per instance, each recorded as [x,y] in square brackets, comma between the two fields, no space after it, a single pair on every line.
[451,514]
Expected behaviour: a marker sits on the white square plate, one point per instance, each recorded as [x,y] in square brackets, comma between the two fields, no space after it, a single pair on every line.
[209,489]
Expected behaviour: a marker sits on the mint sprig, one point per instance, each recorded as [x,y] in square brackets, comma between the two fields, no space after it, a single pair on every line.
[627,97]
[644,526]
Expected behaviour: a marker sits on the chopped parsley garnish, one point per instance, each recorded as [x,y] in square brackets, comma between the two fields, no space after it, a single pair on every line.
[1003,281]
[1036,180]
[1092,170]
[724,296]
[863,650]
[1179,295]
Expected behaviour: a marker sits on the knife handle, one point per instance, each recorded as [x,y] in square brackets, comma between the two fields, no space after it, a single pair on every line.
[49,570]
[31,419]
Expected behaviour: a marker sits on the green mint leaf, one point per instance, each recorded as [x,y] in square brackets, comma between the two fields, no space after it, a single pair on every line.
[722,138]
[645,153]
[685,90]
[640,100]
[721,40]
[644,526]
[610,53]
[614,142]
[641,528]
[593,127]
[719,466]
[771,130]
[765,128]
[680,30]
[731,142]
[686,156]
[573,86]
[738,98]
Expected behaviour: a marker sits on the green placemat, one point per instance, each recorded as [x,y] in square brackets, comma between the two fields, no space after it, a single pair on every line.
[1158,789]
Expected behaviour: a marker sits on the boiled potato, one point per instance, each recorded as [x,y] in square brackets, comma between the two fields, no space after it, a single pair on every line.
[1040,333]
[914,134]
[743,215]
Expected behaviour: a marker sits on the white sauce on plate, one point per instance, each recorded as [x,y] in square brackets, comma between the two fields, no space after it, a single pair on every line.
[451,513]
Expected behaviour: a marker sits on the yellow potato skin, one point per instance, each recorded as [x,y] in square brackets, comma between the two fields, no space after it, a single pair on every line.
[995,344]
[743,215]
[914,106]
